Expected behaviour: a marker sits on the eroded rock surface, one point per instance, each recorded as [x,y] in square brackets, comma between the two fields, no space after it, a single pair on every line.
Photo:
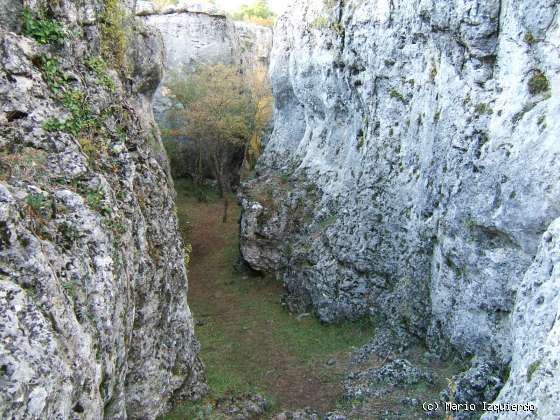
[94,321]
[412,174]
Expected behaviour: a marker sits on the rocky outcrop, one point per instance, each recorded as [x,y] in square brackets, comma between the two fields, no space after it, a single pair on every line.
[536,333]
[94,321]
[412,174]
[196,34]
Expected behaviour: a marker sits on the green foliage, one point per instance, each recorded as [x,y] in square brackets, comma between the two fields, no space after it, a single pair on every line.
[41,28]
[338,28]
[54,125]
[529,38]
[76,102]
[73,100]
[397,95]
[114,225]
[538,83]
[38,202]
[258,13]
[99,67]
[532,369]
[52,74]
[82,118]
[320,22]
[483,108]
[433,72]
[114,30]
[70,288]
[360,143]
[188,252]
[96,201]
[542,121]
[177,153]
[223,111]
[69,233]
[328,221]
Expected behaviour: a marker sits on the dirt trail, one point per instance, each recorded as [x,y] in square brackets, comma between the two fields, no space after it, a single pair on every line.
[216,301]
[249,342]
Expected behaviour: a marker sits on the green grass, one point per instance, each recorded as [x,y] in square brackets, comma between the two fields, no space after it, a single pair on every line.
[249,341]
[37,201]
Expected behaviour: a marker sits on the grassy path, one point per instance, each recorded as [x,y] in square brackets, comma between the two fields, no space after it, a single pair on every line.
[249,342]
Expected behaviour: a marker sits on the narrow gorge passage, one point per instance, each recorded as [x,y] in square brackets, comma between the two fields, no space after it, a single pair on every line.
[250,343]
[395,163]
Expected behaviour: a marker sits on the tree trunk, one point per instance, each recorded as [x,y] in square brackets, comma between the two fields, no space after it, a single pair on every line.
[221,176]
[226,205]
[199,168]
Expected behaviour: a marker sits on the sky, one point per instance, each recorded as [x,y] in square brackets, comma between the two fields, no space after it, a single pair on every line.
[275,5]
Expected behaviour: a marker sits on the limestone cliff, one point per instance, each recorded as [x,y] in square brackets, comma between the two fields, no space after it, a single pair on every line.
[197,34]
[413,175]
[94,321]
[194,35]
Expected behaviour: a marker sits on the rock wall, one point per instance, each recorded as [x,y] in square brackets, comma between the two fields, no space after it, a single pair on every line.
[94,321]
[413,175]
[195,34]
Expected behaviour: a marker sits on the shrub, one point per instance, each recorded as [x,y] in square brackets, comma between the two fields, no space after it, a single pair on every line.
[52,74]
[433,72]
[532,369]
[397,95]
[44,30]
[99,67]
[37,202]
[320,22]
[483,108]
[224,112]
[529,38]
[538,83]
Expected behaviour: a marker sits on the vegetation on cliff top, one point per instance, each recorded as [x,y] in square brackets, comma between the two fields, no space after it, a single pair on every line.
[258,13]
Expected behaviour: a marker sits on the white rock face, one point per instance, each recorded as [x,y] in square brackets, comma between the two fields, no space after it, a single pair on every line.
[94,321]
[193,36]
[416,146]
[536,334]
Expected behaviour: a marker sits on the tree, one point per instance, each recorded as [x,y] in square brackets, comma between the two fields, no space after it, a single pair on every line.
[258,13]
[262,112]
[222,111]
